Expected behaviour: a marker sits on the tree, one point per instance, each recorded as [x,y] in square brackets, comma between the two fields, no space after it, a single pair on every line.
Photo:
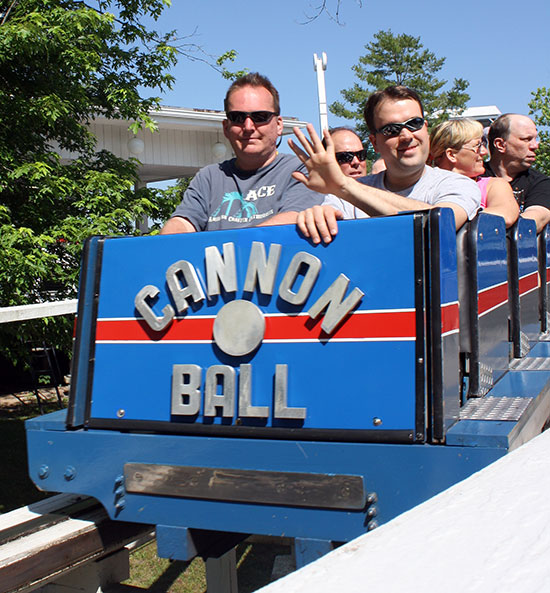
[400,59]
[539,107]
[62,62]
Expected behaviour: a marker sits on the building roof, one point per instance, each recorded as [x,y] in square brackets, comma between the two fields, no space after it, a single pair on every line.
[186,140]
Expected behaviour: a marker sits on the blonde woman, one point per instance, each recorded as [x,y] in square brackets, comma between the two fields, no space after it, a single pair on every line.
[458,146]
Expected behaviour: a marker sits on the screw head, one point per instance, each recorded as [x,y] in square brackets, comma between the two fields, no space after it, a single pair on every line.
[120,413]
[70,473]
[372,498]
[43,472]
[376,421]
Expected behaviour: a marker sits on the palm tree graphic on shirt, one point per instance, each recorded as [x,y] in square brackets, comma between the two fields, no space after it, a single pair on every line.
[246,210]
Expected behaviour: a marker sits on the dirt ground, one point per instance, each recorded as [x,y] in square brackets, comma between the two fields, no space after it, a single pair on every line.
[25,402]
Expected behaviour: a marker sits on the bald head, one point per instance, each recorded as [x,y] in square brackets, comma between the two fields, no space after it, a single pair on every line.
[348,141]
[513,142]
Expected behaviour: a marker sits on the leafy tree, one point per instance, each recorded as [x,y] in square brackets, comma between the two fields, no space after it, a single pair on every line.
[62,62]
[539,107]
[401,59]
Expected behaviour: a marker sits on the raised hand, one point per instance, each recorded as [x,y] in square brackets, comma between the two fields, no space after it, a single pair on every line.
[324,173]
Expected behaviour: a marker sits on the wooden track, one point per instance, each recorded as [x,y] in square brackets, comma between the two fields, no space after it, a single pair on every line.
[45,540]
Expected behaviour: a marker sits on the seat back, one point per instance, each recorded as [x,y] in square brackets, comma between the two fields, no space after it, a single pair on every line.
[483,290]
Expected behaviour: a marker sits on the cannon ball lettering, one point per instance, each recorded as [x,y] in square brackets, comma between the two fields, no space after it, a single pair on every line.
[221,272]
[221,392]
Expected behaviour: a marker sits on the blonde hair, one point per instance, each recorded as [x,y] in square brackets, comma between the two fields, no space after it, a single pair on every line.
[453,134]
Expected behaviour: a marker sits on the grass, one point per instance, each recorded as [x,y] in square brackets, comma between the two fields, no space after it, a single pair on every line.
[17,488]
[158,575]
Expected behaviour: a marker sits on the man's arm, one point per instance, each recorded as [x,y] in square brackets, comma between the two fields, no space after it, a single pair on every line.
[177,224]
[539,214]
[281,218]
[325,176]
[537,200]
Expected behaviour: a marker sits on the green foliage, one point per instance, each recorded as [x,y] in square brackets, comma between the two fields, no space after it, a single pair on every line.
[229,56]
[167,201]
[400,60]
[63,62]
[539,107]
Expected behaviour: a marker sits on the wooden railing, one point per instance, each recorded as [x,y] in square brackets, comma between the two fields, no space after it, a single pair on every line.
[36,311]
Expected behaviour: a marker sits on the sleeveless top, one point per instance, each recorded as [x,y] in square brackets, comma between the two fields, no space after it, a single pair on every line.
[482,183]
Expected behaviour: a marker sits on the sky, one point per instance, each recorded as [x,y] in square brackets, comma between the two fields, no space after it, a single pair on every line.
[500,46]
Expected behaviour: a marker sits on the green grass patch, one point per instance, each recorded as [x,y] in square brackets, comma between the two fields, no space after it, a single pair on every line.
[158,575]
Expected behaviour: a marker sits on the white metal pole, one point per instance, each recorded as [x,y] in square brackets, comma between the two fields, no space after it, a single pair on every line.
[320,65]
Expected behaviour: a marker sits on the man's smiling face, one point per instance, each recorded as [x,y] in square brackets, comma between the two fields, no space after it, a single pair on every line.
[405,153]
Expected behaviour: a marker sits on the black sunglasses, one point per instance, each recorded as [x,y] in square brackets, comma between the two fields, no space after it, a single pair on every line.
[258,117]
[346,156]
[414,124]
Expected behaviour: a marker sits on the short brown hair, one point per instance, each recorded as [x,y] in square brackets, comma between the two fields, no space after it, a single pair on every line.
[257,80]
[500,128]
[394,93]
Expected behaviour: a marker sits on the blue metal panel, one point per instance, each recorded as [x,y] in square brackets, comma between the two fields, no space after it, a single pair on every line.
[481,433]
[338,378]
[402,476]
[541,349]
[444,322]
[529,280]
[490,345]
[521,384]
[84,338]
[543,246]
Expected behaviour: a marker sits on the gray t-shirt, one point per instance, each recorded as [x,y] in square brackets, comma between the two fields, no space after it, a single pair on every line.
[224,197]
[435,186]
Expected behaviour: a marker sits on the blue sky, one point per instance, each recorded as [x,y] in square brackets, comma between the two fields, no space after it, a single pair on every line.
[500,46]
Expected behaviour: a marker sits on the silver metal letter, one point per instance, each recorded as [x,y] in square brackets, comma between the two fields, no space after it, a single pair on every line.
[246,409]
[310,276]
[186,390]
[155,323]
[281,391]
[221,269]
[261,271]
[337,309]
[192,289]
[226,400]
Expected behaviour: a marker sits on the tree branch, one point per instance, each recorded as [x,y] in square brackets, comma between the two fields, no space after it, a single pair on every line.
[323,8]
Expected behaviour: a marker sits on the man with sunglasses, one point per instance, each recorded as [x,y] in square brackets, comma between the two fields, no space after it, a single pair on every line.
[352,158]
[513,142]
[399,133]
[349,152]
[254,188]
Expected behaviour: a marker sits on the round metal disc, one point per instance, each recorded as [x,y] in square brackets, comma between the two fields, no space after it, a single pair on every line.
[239,328]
